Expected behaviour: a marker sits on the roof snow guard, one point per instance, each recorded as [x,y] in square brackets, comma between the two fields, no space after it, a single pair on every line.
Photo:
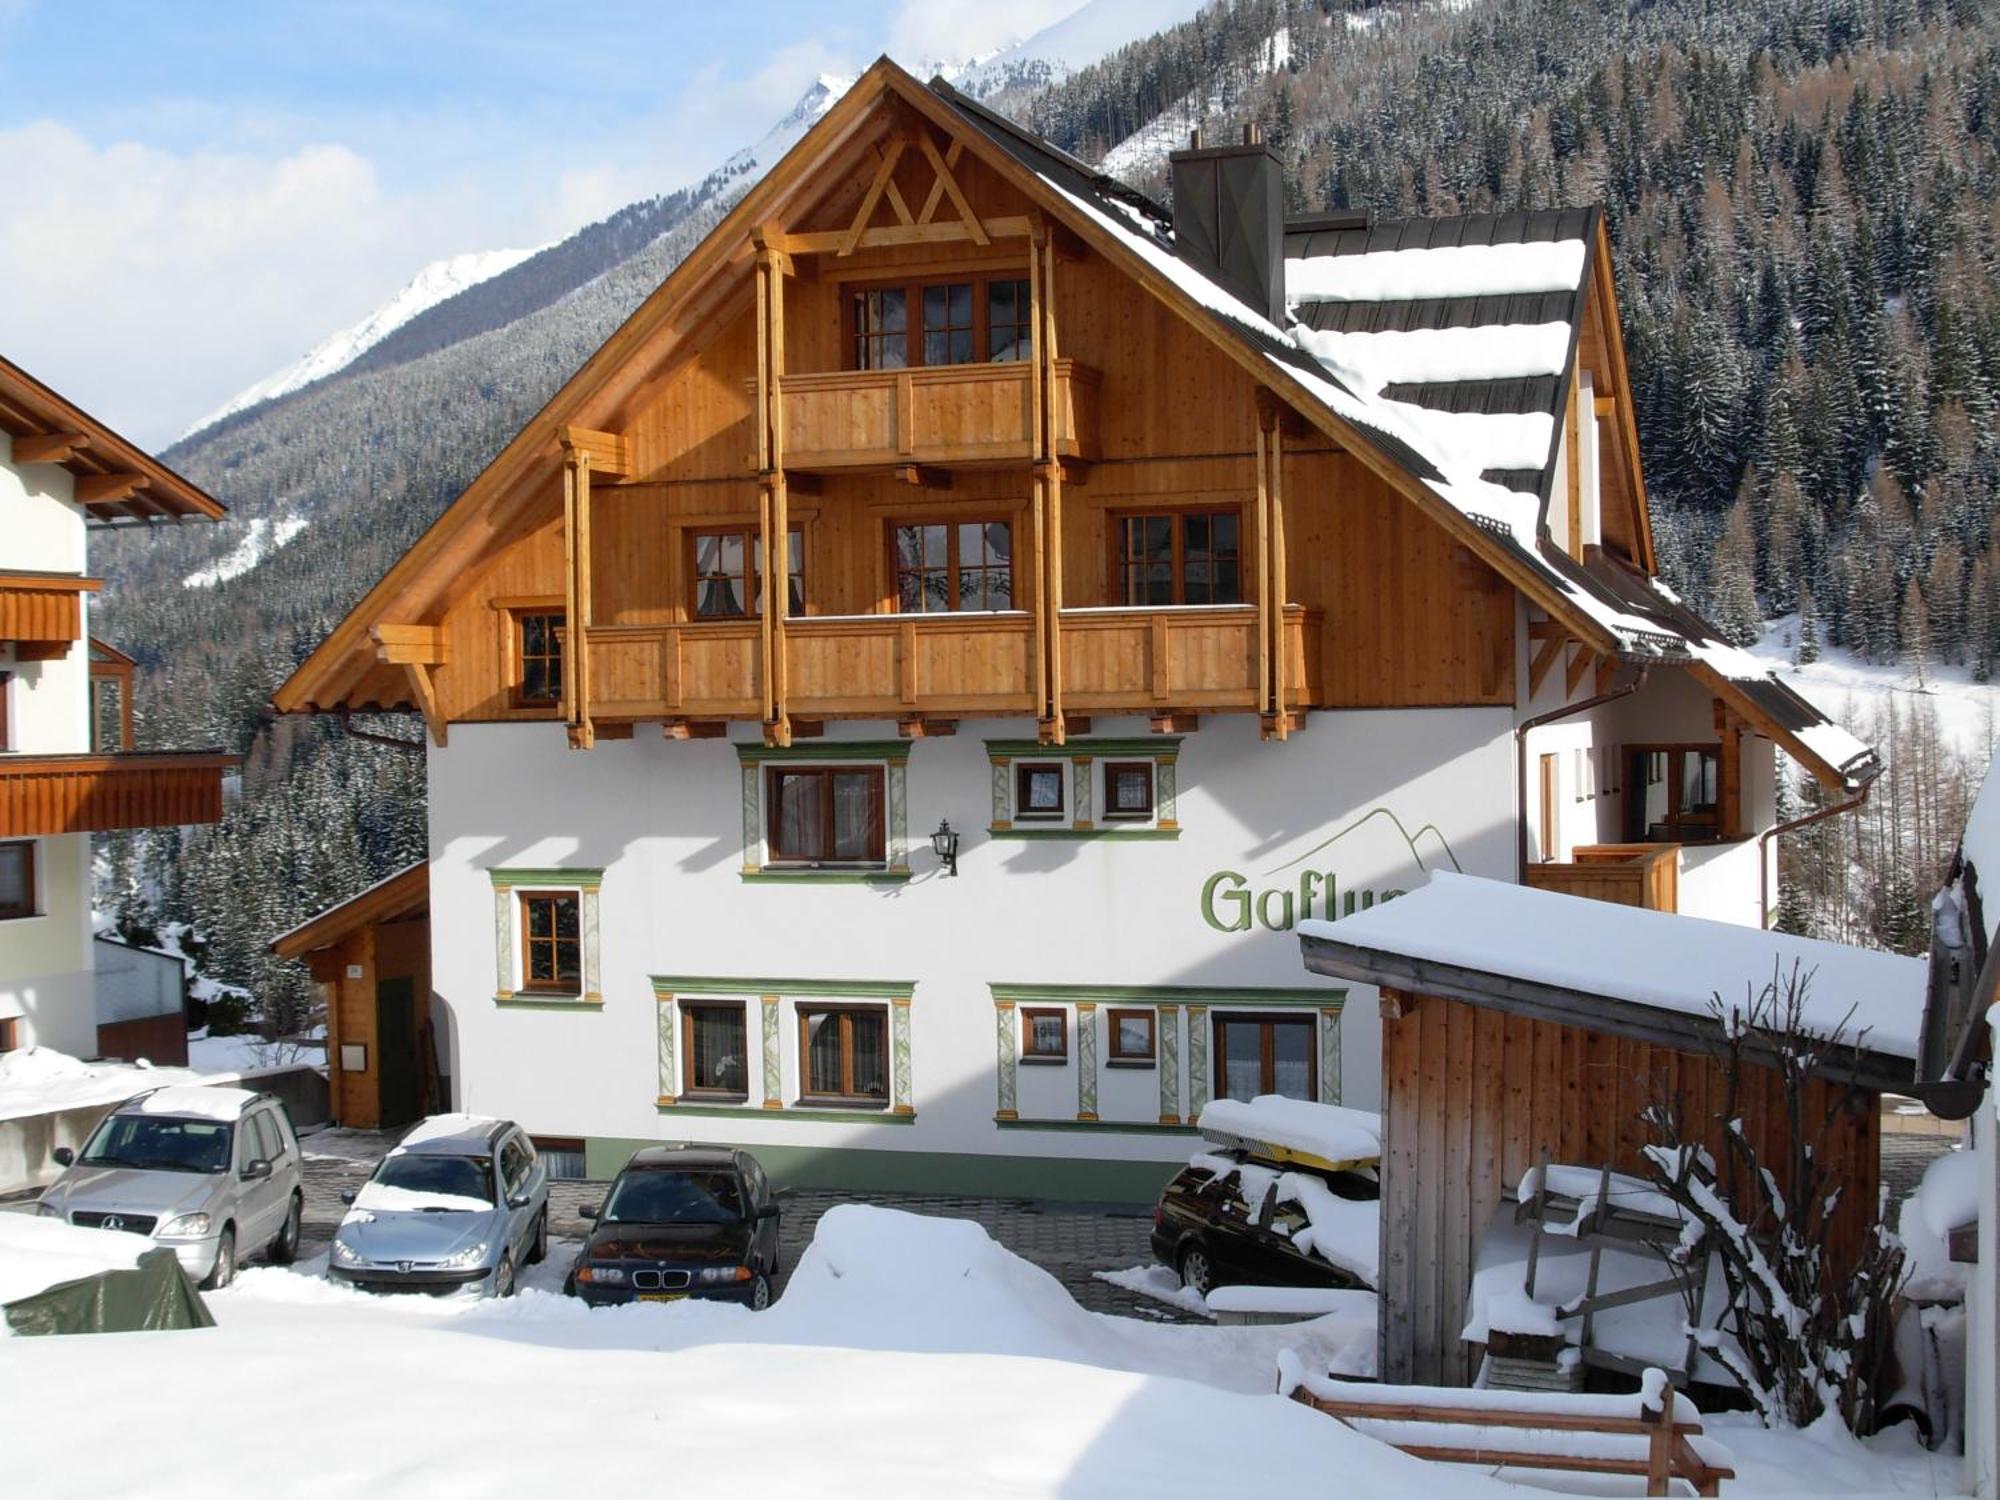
[1444,346]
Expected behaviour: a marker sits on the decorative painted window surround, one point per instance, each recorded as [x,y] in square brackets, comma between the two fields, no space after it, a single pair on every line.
[894,758]
[1171,1040]
[768,1030]
[1085,757]
[508,986]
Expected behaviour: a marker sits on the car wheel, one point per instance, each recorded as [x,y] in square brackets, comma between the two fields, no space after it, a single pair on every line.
[285,1248]
[538,1247]
[760,1294]
[224,1270]
[1197,1274]
[503,1278]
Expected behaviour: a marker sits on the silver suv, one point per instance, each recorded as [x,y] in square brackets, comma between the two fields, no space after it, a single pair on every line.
[210,1173]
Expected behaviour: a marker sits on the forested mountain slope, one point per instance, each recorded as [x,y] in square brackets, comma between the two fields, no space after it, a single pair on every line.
[1802,202]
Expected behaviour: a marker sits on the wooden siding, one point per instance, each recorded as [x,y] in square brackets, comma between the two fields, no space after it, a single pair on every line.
[1473,1096]
[42,611]
[380,951]
[1645,875]
[42,794]
[161,1040]
[1384,609]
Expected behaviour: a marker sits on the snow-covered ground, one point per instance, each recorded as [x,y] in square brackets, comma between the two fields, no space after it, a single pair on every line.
[1853,691]
[261,537]
[910,1357]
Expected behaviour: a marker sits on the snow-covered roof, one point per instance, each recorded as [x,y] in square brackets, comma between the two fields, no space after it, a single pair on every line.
[202,1101]
[1331,1132]
[1515,283]
[1600,963]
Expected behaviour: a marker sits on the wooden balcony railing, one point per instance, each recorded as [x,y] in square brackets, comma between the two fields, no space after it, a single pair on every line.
[945,665]
[1645,875]
[42,613]
[943,414]
[1147,660]
[43,794]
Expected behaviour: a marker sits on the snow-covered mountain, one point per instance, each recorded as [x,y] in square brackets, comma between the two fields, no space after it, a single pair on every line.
[433,284]
[1086,35]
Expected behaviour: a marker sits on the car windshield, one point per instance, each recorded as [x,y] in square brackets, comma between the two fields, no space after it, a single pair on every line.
[654,1197]
[452,1176]
[160,1143]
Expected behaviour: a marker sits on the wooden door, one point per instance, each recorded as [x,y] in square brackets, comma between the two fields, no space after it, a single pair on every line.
[1551,807]
[396,1051]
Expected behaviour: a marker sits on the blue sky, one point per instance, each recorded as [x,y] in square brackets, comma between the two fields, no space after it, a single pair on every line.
[219,186]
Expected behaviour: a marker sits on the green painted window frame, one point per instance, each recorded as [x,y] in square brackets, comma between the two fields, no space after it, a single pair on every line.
[1085,757]
[510,987]
[891,757]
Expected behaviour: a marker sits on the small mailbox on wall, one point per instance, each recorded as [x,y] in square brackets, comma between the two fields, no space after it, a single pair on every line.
[354,1057]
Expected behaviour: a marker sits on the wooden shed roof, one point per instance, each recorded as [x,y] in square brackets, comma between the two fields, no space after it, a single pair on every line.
[405,894]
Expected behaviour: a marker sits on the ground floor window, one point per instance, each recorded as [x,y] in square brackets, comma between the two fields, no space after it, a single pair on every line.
[1044,1034]
[1266,1055]
[561,1156]
[17,880]
[717,1050]
[844,1054]
[1132,1037]
[551,942]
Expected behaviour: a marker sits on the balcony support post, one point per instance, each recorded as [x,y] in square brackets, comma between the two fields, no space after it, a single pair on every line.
[1049,480]
[773,508]
[1265,696]
[576,597]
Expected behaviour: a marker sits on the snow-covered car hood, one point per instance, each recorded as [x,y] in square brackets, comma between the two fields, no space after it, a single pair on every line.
[417,1235]
[134,1191]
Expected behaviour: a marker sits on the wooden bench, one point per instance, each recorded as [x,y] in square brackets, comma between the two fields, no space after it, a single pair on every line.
[1659,1427]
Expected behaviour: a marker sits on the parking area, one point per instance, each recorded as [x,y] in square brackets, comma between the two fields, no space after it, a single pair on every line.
[1070,1241]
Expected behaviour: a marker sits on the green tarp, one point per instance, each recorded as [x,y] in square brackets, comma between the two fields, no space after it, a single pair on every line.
[155,1294]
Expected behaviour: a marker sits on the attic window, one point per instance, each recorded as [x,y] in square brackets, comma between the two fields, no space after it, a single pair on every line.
[538,646]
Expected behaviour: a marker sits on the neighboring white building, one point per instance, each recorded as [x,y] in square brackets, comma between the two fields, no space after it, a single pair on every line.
[67,768]
[674,894]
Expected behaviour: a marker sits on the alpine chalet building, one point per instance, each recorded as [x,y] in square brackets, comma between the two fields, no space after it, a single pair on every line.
[892,706]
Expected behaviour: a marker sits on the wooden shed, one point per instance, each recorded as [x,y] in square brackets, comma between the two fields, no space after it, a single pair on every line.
[1519,1022]
[371,957]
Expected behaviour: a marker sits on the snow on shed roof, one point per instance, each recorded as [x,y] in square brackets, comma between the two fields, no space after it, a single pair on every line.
[1589,957]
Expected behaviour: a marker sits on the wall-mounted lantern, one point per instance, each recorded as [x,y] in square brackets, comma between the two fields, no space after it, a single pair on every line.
[944,844]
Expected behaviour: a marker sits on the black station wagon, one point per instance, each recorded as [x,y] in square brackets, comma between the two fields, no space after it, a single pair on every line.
[1207,1232]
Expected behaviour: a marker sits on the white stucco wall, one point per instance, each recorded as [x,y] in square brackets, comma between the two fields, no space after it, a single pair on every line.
[48,701]
[45,960]
[664,822]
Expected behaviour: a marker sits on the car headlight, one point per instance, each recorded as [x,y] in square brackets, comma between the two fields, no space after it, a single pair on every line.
[601,1275]
[186,1227]
[47,1211]
[711,1275]
[472,1255]
[346,1254]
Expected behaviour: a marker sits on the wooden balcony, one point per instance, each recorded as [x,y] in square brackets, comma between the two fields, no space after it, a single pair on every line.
[1202,657]
[42,794]
[945,414]
[946,665]
[42,613]
[1645,875]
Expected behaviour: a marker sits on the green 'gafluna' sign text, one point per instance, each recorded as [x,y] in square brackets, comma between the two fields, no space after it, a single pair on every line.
[1228,904]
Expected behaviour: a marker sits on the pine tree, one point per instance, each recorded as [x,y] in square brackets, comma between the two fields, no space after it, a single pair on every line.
[1807,650]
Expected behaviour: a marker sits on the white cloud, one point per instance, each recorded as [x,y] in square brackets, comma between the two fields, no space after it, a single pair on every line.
[146,284]
[956,31]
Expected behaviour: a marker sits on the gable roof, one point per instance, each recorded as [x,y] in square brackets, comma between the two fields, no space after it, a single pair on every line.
[1394,439]
[405,894]
[118,483]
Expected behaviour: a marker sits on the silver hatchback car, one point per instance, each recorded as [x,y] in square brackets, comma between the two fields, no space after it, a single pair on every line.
[458,1208]
[210,1173]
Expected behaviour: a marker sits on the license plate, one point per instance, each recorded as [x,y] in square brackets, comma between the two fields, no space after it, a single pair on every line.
[661,1296]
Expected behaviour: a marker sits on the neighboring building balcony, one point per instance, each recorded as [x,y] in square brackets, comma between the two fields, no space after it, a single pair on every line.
[1115,660]
[41,614]
[48,794]
[1645,875]
[934,415]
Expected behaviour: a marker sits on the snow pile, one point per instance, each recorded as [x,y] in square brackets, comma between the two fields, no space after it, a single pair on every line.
[1158,1283]
[901,1363]
[1332,1132]
[1445,271]
[198,1100]
[1949,1193]
[1343,1232]
[39,1081]
[38,1253]
[1299,1301]
[385,1198]
[1933,1275]
[1590,1186]
[1652,958]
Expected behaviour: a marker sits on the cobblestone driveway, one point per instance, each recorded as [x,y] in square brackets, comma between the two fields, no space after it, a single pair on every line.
[1068,1240]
